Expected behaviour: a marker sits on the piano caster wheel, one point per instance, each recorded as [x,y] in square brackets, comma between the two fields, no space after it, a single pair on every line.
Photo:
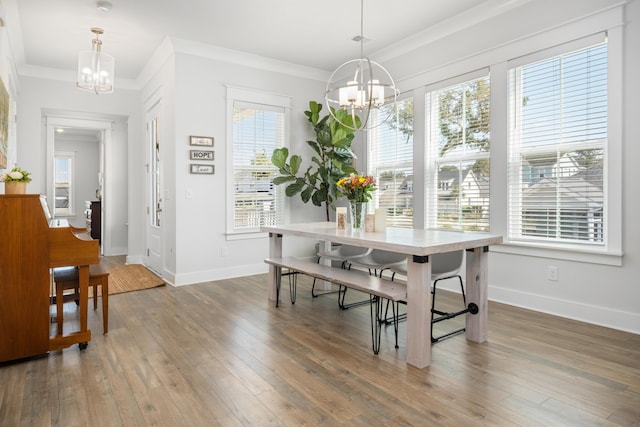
[83,345]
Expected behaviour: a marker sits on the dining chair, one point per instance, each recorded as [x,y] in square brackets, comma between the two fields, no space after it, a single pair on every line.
[343,254]
[443,266]
[376,261]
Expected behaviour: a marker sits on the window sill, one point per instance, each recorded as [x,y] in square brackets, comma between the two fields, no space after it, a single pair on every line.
[246,235]
[567,253]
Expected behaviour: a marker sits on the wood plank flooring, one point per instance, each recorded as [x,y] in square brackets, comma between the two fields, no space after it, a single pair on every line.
[220,354]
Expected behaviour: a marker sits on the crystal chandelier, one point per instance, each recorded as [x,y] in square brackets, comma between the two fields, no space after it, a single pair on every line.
[359,86]
[96,69]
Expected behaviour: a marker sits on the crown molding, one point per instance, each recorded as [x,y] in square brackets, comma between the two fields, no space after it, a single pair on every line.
[67,76]
[485,10]
[248,60]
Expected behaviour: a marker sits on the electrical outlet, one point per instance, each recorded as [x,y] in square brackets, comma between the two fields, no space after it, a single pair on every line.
[552,273]
[224,251]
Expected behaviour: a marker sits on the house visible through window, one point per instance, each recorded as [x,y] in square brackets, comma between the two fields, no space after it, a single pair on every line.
[257,129]
[390,162]
[557,148]
[457,175]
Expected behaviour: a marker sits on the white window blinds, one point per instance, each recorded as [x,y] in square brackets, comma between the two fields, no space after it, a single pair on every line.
[390,160]
[557,148]
[458,156]
[257,130]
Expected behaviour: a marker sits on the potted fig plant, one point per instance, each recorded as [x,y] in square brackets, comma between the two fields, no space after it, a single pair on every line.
[331,160]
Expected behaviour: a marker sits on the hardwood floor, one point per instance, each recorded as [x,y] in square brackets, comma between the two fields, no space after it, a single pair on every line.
[219,353]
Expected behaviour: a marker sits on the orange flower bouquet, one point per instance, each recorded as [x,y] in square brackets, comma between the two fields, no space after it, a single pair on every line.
[357,188]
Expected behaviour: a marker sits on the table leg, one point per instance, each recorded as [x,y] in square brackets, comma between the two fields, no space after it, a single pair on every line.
[477,325]
[275,251]
[418,311]
[325,246]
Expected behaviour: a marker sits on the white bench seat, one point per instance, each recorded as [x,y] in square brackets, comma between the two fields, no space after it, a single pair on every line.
[354,279]
[378,288]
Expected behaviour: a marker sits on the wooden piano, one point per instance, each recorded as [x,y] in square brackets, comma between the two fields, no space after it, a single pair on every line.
[30,244]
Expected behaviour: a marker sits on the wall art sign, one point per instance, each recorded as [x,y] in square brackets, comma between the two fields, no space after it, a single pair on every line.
[201,155]
[4,124]
[202,141]
[202,169]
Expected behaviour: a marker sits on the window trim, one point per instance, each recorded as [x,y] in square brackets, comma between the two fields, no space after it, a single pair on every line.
[611,252]
[252,96]
[410,163]
[431,151]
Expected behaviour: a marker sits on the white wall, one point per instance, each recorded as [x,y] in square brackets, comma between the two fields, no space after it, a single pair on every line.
[194,251]
[191,88]
[598,293]
[38,96]
[159,92]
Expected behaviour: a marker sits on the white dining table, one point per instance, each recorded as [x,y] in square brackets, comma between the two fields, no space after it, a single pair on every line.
[418,245]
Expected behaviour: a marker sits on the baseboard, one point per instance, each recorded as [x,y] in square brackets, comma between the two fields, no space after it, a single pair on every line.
[220,274]
[598,315]
[136,259]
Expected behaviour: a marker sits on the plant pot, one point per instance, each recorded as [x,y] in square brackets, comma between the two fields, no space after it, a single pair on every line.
[15,187]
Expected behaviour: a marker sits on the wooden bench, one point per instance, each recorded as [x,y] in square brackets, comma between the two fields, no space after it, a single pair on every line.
[67,278]
[378,288]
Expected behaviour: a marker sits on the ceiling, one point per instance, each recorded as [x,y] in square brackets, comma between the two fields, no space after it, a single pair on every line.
[313,33]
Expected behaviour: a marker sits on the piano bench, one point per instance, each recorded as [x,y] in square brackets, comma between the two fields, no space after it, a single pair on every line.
[67,278]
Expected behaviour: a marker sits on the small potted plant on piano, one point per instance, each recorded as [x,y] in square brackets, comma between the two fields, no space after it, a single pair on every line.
[15,181]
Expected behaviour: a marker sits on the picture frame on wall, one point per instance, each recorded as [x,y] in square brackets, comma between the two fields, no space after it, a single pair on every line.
[202,169]
[4,124]
[201,141]
[201,155]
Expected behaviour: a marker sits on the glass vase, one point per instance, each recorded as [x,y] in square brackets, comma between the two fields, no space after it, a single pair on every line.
[358,211]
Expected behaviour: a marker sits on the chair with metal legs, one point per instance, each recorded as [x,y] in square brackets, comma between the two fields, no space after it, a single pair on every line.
[376,261]
[443,266]
[342,254]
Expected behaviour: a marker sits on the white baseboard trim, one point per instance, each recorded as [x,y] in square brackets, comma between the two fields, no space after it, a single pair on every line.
[598,315]
[220,274]
[136,259]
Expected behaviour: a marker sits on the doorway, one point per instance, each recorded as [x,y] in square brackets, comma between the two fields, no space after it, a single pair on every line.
[75,170]
[154,187]
[77,173]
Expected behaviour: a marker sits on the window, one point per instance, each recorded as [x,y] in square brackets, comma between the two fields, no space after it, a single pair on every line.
[557,148]
[259,124]
[458,155]
[391,164]
[155,188]
[63,177]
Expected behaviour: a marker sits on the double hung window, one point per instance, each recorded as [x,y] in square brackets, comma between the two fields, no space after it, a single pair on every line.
[258,126]
[458,155]
[390,160]
[558,147]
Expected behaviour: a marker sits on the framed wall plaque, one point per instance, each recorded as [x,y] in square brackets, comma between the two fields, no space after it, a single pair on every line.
[202,169]
[201,141]
[201,155]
